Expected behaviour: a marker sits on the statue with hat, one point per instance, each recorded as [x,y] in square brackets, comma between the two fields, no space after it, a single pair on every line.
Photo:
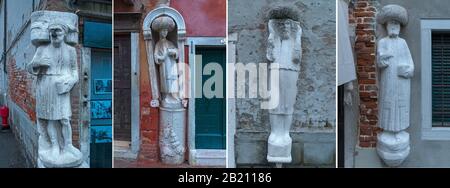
[166,55]
[55,66]
[396,68]
[284,50]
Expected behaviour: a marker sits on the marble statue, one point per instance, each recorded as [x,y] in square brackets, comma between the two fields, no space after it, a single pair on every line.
[55,67]
[284,49]
[172,112]
[166,55]
[396,68]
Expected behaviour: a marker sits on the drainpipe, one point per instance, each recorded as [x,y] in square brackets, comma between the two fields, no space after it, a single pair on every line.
[4,36]
[3,59]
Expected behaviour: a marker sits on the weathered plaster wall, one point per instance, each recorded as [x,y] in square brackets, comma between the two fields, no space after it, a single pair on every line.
[423,153]
[313,129]
[200,13]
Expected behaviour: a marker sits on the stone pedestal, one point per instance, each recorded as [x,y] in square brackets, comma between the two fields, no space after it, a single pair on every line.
[82,165]
[172,134]
[279,151]
[64,159]
[393,147]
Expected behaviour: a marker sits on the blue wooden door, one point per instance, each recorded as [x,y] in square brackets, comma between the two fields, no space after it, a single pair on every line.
[101,109]
[210,113]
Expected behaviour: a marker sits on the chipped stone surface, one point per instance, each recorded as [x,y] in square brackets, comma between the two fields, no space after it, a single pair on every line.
[55,66]
[315,105]
[314,110]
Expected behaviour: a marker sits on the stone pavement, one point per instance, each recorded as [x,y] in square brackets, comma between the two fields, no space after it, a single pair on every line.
[11,155]
[130,163]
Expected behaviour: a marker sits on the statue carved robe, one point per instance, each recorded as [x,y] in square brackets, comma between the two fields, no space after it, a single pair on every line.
[396,69]
[284,49]
[54,83]
[166,56]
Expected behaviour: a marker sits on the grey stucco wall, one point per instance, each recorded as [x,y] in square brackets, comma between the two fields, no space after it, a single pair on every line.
[423,153]
[313,129]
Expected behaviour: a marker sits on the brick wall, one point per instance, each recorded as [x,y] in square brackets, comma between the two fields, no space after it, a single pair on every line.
[149,117]
[362,15]
[75,102]
[20,91]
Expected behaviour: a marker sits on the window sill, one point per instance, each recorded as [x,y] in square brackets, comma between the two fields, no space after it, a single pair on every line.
[436,134]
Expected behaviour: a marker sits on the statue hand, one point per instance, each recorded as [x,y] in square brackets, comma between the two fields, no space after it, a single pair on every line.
[63,87]
[385,57]
[404,71]
[185,102]
[42,63]
[172,52]
[383,60]
[270,57]
[154,103]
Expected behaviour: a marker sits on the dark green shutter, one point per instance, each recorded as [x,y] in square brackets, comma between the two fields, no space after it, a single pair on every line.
[440,70]
[210,113]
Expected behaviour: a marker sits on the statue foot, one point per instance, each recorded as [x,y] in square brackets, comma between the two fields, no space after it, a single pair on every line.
[67,158]
[54,151]
[71,149]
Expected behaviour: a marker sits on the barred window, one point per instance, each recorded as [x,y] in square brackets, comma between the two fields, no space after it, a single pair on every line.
[440,76]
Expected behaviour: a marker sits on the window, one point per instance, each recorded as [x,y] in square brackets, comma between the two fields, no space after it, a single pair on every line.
[435,79]
[440,78]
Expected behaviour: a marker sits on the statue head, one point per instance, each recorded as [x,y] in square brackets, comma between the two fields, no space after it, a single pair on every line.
[393,28]
[163,25]
[393,17]
[285,28]
[283,19]
[57,33]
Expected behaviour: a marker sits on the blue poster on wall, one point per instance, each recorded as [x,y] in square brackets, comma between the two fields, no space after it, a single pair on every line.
[101,134]
[103,86]
[101,109]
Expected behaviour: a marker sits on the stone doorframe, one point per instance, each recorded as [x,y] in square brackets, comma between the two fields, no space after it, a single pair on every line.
[202,157]
[231,101]
[135,105]
[85,104]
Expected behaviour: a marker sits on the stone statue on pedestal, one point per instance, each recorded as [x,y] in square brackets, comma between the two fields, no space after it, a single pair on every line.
[396,69]
[55,66]
[284,49]
[172,119]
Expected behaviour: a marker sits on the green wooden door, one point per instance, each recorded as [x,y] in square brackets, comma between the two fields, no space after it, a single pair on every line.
[101,109]
[210,113]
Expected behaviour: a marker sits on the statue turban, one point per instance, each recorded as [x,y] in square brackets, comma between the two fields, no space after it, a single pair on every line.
[163,22]
[283,13]
[393,12]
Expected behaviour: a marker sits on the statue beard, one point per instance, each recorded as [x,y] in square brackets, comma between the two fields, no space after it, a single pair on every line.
[393,35]
[56,43]
[285,35]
